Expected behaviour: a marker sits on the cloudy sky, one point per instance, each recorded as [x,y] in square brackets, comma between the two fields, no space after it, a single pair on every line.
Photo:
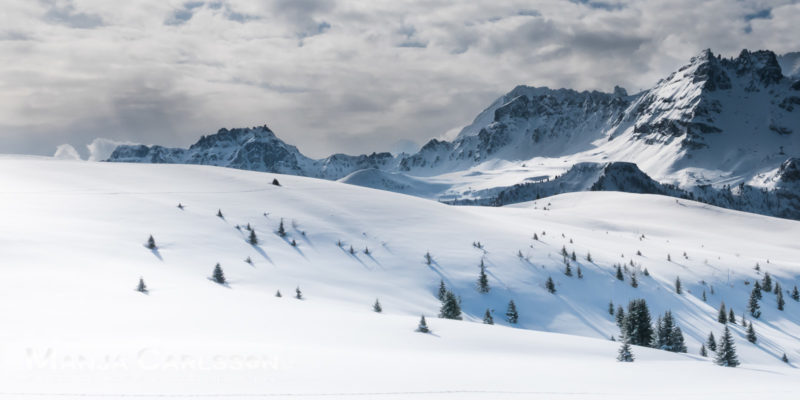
[335,76]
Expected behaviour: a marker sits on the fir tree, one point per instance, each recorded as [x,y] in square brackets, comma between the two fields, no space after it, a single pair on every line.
[722,315]
[678,289]
[151,243]
[779,298]
[483,280]
[795,294]
[726,350]
[428,258]
[248,260]
[619,273]
[757,290]
[564,251]
[634,281]
[711,342]
[751,333]
[678,344]
[377,306]
[218,276]
[511,313]
[704,296]
[611,308]
[766,284]
[646,272]
[278,294]
[294,243]
[253,239]
[580,273]
[703,351]
[352,250]
[450,308]
[637,325]
[784,358]
[588,256]
[142,288]
[567,269]
[487,318]
[732,317]
[282,230]
[669,258]
[535,236]
[573,257]
[219,214]
[752,304]
[442,291]
[180,206]
[620,316]
[298,294]
[625,354]
[423,326]
[551,287]
[275,182]
[366,250]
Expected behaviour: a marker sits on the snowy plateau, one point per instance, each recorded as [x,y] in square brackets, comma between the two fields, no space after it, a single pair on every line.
[74,326]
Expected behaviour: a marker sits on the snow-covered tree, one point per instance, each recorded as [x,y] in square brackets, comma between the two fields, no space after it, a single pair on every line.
[567,269]
[487,317]
[551,287]
[573,257]
[752,304]
[779,296]
[483,280]
[428,258]
[377,306]
[620,316]
[634,281]
[625,354]
[704,296]
[722,315]
[579,272]
[151,243]
[703,351]
[253,239]
[637,325]
[219,214]
[711,342]
[298,294]
[294,243]
[442,291]
[141,287]
[610,308]
[278,294]
[678,288]
[512,316]
[282,230]
[795,294]
[751,333]
[726,350]
[588,256]
[275,182]
[766,283]
[423,326]
[784,358]
[451,309]
[619,273]
[731,317]
[217,275]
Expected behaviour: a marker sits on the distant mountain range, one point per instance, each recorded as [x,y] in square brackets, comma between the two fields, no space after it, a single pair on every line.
[725,131]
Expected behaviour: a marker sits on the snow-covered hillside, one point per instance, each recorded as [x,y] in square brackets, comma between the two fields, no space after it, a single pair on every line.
[74,249]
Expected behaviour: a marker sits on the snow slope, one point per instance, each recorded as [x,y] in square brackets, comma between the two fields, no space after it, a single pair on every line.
[73,250]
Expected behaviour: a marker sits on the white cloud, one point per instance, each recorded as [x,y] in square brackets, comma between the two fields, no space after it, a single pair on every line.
[100,149]
[347,76]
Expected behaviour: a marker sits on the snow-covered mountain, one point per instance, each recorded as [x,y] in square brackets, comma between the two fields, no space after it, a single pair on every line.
[717,129]
[74,325]
[790,64]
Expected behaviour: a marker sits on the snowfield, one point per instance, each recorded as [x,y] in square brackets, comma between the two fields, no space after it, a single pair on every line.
[73,326]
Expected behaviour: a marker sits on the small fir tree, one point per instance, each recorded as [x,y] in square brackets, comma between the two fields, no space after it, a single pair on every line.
[752,304]
[275,182]
[219,214]
[151,243]
[442,291]
[423,326]
[625,354]
[580,273]
[711,342]
[751,333]
[512,316]
[784,358]
[703,351]
[180,206]
[634,281]
[352,250]
[704,296]
[611,308]
[451,309]
[278,294]
[298,294]
[731,317]
[573,257]
[253,239]
[588,256]
[726,350]
[646,272]
[779,297]
[766,284]
[757,290]
[218,276]
[551,287]
[142,288]
[795,294]
[722,315]
[483,280]
[282,230]
[294,243]
[535,236]
[377,306]
[619,273]
[487,317]
[567,269]
[678,288]
[620,316]
[428,258]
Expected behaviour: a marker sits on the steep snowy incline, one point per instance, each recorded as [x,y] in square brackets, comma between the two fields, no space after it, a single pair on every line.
[74,233]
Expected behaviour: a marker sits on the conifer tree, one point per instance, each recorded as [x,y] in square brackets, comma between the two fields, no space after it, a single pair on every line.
[580,273]
[278,294]
[620,316]
[428,258]
[253,239]
[483,280]
[511,313]
[711,342]
[795,294]
[757,290]
[726,350]
[423,326]
[180,206]
[551,287]
[218,276]
[294,243]
[535,236]
[722,315]
[142,288]
[275,182]
[588,256]
[619,273]
[442,291]
[298,294]
[611,308]
[678,344]
[732,317]
[450,308]
[352,250]
[567,269]
[703,351]
[564,251]
[752,304]
[704,296]
[151,243]
[766,284]
[282,230]
[678,288]
[248,260]
[625,354]
[646,272]
[487,318]
[751,333]
[219,214]
[779,297]
[573,257]
[784,358]
[377,306]
[637,325]
[634,281]
[669,258]
[366,250]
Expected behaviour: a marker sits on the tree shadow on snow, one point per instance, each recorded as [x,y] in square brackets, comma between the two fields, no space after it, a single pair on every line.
[355,256]
[263,253]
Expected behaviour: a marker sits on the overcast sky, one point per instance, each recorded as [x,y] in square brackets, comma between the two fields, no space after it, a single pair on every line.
[335,76]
